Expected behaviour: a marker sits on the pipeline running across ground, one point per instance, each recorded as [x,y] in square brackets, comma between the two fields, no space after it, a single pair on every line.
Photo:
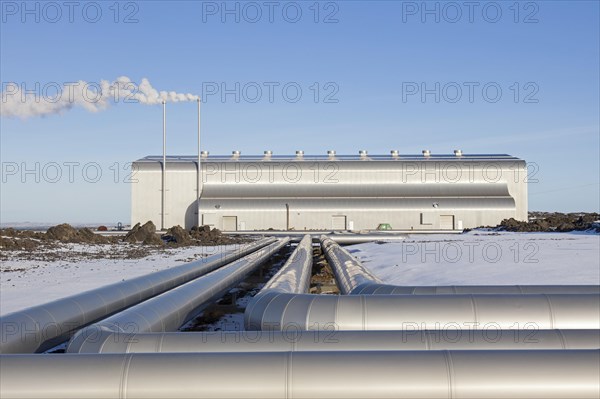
[374,340]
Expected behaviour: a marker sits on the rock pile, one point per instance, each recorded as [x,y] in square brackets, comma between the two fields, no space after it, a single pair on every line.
[16,244]
[67,233]
[205,236]
[145,234]
[553,222]
[177,235]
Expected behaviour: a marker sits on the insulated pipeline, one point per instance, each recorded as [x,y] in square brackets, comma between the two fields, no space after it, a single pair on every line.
[354,278]
[348,271]
[277,311]
[336,341]
[294,275]
[370,374]
[385,289]
[170,310]
[42,327]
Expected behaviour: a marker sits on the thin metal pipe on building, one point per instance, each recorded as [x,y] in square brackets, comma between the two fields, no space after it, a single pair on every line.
[42,327]
[370,374]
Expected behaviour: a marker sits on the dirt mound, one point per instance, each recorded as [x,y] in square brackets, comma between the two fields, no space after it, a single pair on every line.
[176,235]
[16,244]
[205,236]
[62,232]
[10,232]
[553,222]
[67,233]
[145,234]
[12,239]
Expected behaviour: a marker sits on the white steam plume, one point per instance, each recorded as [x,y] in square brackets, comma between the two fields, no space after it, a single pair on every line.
[26,101]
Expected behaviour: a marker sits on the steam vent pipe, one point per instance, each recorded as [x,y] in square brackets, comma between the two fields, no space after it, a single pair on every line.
[371,374]
[170,310]
[336,341]
[42,327]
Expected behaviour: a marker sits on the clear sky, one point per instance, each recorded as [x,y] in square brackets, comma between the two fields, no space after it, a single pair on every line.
[373,75]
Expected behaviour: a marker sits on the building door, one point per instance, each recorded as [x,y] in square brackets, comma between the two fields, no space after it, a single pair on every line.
[209,219]
[229,223]
[338,222]
[446,222]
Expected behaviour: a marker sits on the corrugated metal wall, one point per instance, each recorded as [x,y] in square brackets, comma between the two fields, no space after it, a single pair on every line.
[255,194]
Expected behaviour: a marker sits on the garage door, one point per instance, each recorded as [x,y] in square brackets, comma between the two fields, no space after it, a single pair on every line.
[209,219]
[338,222]
[229,223]
[447,222]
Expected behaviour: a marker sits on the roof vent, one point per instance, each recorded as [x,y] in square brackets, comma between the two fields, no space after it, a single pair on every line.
[299,154]
[236,154]
[458,153]
[394,153]
[363,153]
[331,153]
[426,153]
[204,154]
[268,154]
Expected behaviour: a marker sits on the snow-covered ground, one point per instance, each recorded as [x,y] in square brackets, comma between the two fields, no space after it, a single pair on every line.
[485,258]
[477,257]
[25,283]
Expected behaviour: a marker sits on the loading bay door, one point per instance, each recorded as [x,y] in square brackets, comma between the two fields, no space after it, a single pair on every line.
[338,222]
[446,222]
[229,223]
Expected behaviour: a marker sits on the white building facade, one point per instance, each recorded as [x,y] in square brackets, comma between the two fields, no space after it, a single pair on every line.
[332,192]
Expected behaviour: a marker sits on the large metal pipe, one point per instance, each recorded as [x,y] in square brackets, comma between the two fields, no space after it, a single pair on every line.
[353,239]
[170,310]
[385,289]
[369,374]
[348,271]
[278,311]
[340,238]
[354,278]
[294,276]
[335,341]
[42,327]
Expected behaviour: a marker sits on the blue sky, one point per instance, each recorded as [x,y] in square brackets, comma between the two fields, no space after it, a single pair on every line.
[364,58]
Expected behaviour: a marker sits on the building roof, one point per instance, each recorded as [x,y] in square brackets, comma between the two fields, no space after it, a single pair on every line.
[313,158]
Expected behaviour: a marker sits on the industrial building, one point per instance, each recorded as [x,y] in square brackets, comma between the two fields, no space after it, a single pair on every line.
[329,192]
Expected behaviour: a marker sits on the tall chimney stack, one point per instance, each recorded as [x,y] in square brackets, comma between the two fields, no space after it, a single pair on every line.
[164,167]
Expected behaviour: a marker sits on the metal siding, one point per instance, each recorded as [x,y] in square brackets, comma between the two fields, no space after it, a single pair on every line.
[366,192]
